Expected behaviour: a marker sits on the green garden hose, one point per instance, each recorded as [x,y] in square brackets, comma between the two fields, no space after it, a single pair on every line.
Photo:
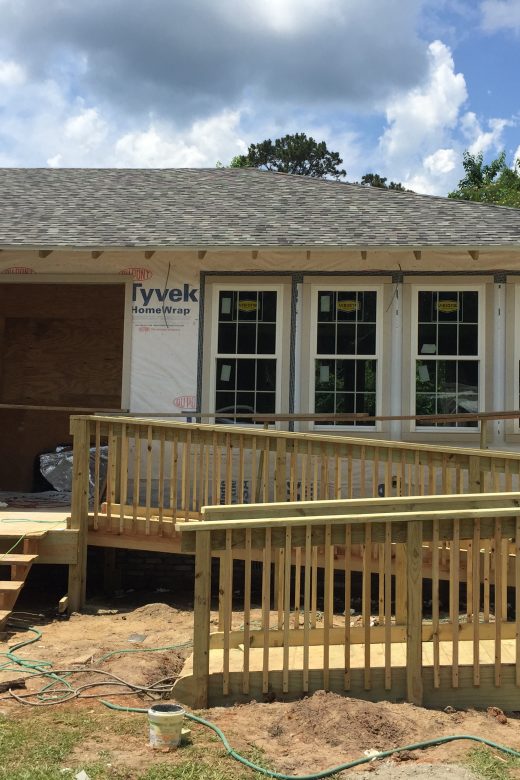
[44,668]
[333,770]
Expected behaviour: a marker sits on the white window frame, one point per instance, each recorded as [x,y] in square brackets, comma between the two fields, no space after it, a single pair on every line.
[214,355]
[377,356]
[414,321]
[516,358]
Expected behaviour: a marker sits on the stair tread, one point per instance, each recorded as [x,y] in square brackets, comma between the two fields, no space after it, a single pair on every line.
[8,559]
[11,585]
[4,614]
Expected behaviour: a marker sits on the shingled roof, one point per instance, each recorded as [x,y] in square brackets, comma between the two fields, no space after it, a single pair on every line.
[198,207]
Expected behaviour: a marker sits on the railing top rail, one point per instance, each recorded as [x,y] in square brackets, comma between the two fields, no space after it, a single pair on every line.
[262,433]
[463,510]
[325,416]
[344,505]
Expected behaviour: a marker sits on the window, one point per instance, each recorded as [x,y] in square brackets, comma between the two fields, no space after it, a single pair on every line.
[345,352]
[448,328]
[246,367]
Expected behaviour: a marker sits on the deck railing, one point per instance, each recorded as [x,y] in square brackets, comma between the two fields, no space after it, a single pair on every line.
[147,474]
[300,631]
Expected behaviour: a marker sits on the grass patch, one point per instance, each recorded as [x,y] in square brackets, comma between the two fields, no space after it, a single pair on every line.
[491,765]
[39,744]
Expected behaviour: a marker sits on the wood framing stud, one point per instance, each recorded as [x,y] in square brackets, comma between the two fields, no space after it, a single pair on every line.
[44,253]
[417,254]
[308,254]
[474,254]
[149,254]
[364,254]
[254,254]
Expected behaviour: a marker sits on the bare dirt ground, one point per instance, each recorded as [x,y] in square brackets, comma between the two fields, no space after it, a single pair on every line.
[299,737]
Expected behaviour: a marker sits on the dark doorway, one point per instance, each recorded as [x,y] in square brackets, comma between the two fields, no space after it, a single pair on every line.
[60,345]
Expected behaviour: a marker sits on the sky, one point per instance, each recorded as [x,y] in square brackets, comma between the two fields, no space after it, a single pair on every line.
[397,87]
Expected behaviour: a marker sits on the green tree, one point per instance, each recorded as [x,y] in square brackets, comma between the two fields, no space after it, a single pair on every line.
[292,154]
[375,180]
[493,182]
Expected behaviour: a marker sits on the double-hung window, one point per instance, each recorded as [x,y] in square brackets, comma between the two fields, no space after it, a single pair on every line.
[448,346]
[345,346]
[246,350]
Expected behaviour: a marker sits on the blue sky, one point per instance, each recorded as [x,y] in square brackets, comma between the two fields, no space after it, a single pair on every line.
[401,87]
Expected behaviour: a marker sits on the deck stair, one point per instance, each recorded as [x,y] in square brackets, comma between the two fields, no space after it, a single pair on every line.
[19,565]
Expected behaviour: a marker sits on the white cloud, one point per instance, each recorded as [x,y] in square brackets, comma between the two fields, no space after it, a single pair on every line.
[161,146]
[421,116]
[500,15]
[418,145]
[11,74]
[284,16]
[482,141]
[86,130]
[441,161]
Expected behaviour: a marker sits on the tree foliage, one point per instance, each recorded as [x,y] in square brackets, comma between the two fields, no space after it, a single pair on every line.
[493,182]
[292,154]
[375,180]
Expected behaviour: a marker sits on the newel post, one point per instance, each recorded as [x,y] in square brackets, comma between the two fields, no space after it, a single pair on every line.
[201,618]
[80,431]
[414,683]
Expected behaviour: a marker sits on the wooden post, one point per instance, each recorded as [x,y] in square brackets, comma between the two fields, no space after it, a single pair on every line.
[201,618]
[414,685]
[80,430]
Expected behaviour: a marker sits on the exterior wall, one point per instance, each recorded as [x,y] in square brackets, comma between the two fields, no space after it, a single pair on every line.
[164,306]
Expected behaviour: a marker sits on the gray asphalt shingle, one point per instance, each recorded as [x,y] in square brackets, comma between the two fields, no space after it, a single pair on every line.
[198,207]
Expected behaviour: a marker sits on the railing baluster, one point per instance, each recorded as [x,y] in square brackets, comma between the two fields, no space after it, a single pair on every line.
[247,610]
[286,608]
[435,605]
[387,555]
[314,591]
[454,601]
[327,600]
[229,469]
[149,466]
[476,601]
[174,465]
[266,609]
[348,599]
[136,485]
[123,478]
[253,469]
[227,598]
[240,491]
[97,463]
[498,602]
[111,465]
[307,607]
[366,602]
[162,471]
